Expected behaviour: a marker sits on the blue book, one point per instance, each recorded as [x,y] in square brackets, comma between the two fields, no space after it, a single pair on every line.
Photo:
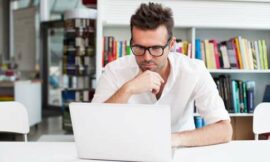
[198,54]
[120,49]
[266,96]
[198,121]
[250,96]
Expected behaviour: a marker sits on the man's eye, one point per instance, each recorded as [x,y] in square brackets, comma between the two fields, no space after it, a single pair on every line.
[156,48]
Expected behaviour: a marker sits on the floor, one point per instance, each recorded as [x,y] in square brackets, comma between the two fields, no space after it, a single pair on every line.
[51,125]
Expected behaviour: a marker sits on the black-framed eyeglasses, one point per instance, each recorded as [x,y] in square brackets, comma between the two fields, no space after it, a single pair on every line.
[155,51]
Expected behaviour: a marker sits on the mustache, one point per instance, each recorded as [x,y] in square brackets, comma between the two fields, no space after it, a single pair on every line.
[147,62]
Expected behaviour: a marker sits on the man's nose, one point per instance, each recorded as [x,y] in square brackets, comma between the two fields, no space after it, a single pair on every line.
[147,56]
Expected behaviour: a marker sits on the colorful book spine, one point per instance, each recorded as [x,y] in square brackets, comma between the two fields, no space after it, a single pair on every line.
[199,122]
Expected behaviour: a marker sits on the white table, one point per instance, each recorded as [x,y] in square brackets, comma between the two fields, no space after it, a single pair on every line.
[236,151]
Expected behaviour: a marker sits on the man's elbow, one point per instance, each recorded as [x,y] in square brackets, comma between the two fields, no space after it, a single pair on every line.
[228,131]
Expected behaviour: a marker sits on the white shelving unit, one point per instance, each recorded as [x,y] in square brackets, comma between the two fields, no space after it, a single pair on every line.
[223,71]
[204,19]
[233,114]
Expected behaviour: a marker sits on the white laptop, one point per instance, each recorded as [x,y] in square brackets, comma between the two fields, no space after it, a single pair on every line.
[122,132]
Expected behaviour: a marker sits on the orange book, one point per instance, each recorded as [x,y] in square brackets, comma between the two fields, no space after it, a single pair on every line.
[236,42]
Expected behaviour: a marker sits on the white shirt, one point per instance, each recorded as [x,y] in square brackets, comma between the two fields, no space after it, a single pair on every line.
[188,81]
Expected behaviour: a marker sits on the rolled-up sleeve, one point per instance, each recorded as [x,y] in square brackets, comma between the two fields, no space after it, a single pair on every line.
[208,102]
[106,86]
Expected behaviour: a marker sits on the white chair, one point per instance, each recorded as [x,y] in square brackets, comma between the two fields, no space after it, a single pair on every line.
[14,118]
[261,119]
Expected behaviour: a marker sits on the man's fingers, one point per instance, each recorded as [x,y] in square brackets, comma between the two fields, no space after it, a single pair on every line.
[159,77]
[155,89]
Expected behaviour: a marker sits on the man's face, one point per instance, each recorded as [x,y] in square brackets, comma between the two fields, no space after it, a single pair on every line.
[149,38]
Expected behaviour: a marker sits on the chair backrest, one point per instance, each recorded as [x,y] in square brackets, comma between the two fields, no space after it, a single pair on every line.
[261,119]
[14,118]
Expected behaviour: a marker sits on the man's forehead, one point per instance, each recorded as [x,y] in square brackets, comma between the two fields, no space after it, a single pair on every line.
[147,36]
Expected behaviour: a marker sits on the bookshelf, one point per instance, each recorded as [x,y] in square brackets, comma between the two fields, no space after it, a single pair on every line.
[220,20]
[234,114]
[78,59]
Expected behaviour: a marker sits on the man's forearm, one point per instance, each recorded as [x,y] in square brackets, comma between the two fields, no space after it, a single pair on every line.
[120,96]
[219,132]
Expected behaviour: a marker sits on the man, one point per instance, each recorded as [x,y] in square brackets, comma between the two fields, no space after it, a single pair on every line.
[154,75]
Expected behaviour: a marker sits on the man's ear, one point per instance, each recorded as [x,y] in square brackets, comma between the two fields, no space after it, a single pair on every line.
[172,43]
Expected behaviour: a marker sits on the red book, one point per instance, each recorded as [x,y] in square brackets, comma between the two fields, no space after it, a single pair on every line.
[216,52]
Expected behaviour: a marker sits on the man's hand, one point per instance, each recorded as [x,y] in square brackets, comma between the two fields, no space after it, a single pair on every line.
[145,81]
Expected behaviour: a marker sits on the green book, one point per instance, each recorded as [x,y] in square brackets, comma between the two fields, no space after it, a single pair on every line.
[261,54]
[264,49]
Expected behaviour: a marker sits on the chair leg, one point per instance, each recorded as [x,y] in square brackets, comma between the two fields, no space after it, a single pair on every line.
[25,137]
[256,136]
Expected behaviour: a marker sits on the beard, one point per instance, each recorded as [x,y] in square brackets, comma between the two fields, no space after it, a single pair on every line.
[150,65]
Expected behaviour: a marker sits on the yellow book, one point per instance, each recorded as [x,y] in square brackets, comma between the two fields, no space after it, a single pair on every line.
[243,52]
[212,55]
[185,47]
[249,55]
[207,56]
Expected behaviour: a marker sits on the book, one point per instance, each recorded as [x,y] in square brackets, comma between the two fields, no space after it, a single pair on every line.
[241,96]
[216,53]
[266,96]
[259,66]
[243,52]
[265,58]
[235,97]
[238,52]
[224,55]
[261,54]
[203,52]
[245,96]
[232,55]
[198,54]
[250,96]
[199,122]
[249,55]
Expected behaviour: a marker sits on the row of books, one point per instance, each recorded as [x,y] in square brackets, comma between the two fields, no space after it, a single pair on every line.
[183,46]
[78,65]
[76,82]
[236,53]
[79,23]
[89,51]
[77,96]
[238,95]
[83,70]
[113,49]
[79,42]
[78,60]
[79,32]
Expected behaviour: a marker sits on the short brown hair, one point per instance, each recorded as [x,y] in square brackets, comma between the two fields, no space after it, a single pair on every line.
[151,16]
